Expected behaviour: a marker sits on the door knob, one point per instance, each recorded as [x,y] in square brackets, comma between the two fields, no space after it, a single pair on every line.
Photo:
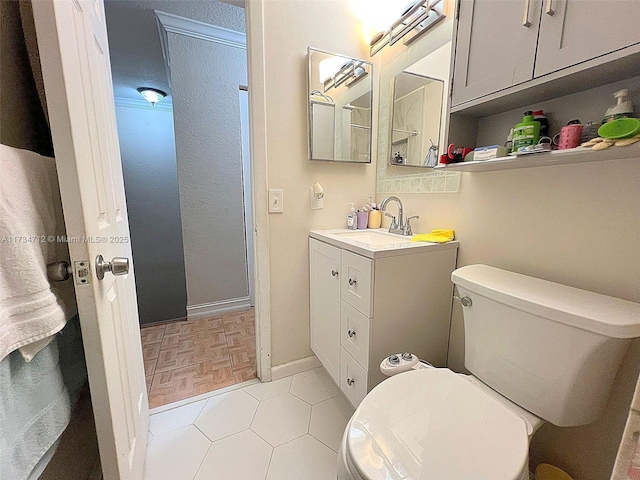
[117,266]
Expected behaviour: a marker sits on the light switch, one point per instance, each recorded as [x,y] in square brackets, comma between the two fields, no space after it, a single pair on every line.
[276,200]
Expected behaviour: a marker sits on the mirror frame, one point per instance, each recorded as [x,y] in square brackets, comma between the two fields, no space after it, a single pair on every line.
[370,74]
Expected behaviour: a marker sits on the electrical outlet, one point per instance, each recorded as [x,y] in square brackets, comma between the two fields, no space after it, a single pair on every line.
[315,203]
[276,200]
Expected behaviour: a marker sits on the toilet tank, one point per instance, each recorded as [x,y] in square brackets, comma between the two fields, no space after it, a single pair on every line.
[552,349]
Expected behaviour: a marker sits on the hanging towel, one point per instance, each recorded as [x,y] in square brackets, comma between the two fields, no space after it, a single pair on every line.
[31,309]
[436,236]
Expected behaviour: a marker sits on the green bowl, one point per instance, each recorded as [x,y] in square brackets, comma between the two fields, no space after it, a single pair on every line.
[621,128]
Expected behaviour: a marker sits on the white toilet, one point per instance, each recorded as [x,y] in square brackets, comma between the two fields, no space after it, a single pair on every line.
[538,351]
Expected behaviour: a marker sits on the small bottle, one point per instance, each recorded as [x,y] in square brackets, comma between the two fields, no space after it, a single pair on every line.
[352,217]
[526,133]
[509,143]
[539,116]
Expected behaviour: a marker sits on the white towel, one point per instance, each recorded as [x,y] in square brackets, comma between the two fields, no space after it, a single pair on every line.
[31,309]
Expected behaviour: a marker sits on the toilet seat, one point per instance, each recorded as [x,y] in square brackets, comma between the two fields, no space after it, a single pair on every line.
[434,424]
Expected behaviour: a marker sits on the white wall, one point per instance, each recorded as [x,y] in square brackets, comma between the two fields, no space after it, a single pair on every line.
[290,27]
[575,224]
[151,184]
[205,77]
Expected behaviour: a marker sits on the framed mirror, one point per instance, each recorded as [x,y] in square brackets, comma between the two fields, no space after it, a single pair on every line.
[340,107]
[417,108]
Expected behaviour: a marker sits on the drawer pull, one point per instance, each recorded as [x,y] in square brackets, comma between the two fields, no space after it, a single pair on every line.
[351,333]
[334,273]
[352,281]
[350,382]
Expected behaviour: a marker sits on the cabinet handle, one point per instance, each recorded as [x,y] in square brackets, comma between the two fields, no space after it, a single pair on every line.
[351,333]
[549,10]
[525,17]
[350,381]
[352,281]
[334,273]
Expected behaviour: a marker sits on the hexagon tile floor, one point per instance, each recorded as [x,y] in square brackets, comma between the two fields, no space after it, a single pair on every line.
[289,429]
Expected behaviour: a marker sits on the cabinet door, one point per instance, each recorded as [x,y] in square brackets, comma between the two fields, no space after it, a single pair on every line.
[574,31]
[496,46]
[324,266]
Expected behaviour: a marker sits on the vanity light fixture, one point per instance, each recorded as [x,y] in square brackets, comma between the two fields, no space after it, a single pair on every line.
[414,21]
[151,95]
[349,73]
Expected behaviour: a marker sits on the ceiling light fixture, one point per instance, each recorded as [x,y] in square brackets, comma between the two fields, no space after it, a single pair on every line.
[151,95]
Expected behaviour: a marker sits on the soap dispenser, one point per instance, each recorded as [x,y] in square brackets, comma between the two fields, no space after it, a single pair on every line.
[352,218]
[622,109]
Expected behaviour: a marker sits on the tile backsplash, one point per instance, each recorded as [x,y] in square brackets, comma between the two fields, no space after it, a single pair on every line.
[431,182]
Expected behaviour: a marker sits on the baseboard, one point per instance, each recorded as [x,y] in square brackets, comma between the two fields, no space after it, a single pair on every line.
[297,366]
[217,308]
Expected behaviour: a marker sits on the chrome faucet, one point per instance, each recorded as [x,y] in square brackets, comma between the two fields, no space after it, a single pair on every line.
[399,227]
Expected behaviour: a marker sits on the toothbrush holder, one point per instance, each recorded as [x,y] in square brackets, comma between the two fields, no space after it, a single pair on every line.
[363,220]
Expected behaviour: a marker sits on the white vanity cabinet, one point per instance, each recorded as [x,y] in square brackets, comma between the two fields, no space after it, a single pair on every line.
[367,305]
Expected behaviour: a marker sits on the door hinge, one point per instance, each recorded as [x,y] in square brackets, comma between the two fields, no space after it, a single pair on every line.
[457,16]
[451,88]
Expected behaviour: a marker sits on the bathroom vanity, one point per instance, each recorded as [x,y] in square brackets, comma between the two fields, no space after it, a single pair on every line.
[372,294]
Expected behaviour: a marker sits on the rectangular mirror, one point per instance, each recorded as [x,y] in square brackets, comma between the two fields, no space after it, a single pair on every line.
[416,111]
[340,107]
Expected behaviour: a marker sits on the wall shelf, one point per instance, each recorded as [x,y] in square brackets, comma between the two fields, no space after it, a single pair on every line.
[557,157]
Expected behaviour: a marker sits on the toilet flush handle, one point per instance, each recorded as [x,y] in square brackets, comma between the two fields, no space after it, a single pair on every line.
[465,301]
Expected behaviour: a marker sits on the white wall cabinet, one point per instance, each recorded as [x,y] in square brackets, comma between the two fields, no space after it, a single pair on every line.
[505,43]
[364,309]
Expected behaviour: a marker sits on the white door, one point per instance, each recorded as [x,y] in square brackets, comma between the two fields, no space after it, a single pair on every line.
[72,41]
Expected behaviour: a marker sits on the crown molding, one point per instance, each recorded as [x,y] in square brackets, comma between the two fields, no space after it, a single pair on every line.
[169,23]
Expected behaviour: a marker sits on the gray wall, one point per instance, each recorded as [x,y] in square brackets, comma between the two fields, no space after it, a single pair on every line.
[151,186]
[205,77]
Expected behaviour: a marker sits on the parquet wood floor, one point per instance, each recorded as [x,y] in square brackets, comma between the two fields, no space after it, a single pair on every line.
[189,357]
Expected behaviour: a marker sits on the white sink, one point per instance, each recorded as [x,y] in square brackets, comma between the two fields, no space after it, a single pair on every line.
[375,243]
[374,238]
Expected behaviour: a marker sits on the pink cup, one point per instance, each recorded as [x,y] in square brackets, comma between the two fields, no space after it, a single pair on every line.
[570,136]
[363,220]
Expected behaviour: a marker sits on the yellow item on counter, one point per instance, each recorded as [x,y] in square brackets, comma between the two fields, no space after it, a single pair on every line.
[375,218]
[436,236]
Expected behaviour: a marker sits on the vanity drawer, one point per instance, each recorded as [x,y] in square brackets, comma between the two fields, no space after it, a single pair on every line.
[356,282]
[354,334]
[353,379]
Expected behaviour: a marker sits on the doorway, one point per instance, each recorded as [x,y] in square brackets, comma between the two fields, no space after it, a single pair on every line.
[190,203]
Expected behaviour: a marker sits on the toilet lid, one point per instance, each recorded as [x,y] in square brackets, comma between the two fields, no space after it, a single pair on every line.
[433,424]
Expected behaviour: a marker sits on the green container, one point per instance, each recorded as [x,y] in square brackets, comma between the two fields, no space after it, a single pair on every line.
[526,133]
